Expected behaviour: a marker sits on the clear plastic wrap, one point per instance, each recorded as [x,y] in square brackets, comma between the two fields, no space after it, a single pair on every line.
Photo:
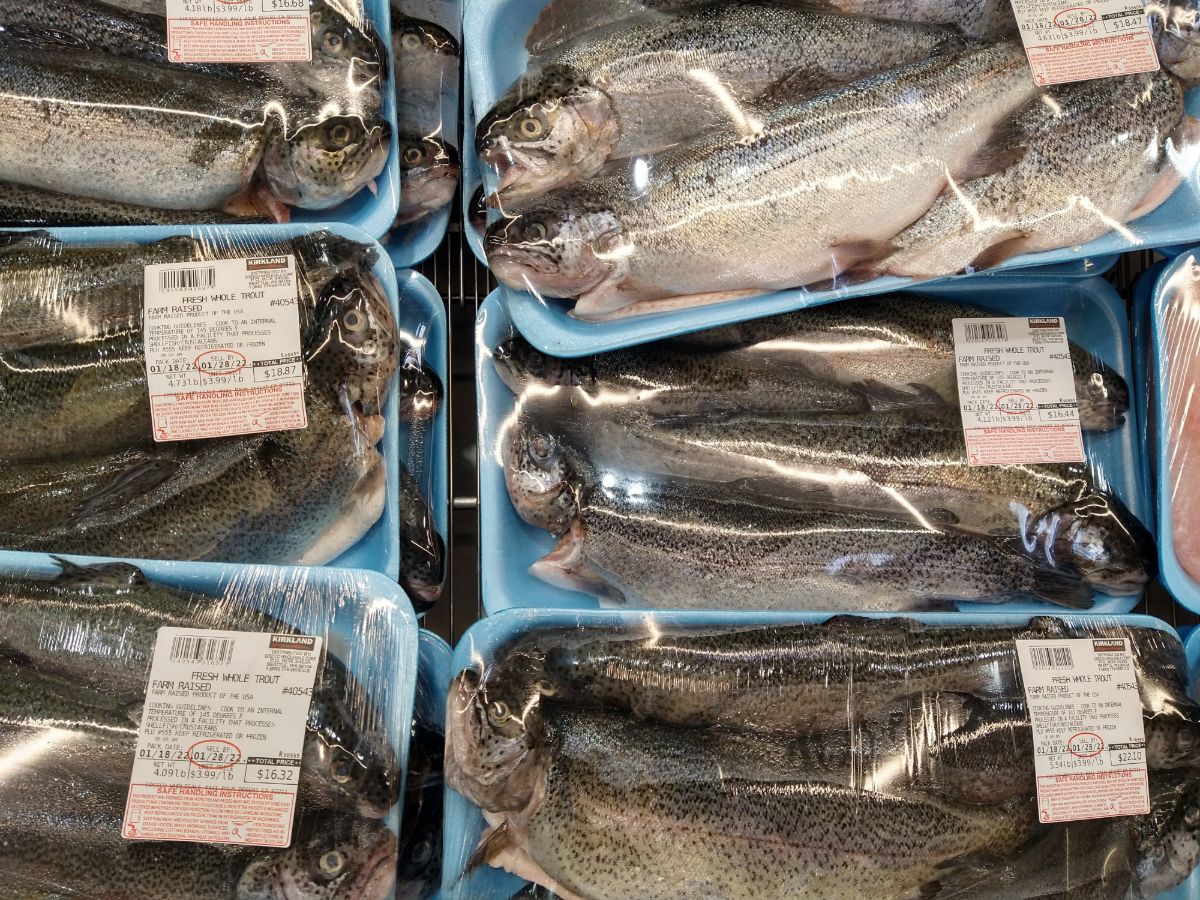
[658,156]
[77,646]
[612,755]
[100,128]
[82,470]
[1171,385]
[810,461]
[420,873]
[426,42]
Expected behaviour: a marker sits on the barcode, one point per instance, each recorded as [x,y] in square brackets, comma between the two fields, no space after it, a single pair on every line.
[187,279]
[1051,657]
[981,332]
[212,651]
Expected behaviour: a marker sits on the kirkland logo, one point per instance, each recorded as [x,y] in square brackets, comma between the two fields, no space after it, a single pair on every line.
[292,642]
[1107,645]
[1044,322]
[267,262]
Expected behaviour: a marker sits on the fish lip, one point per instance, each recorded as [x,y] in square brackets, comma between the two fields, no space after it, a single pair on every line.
[378,878]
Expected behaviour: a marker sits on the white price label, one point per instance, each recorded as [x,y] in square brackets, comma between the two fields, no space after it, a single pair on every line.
[222,736]
[238,31]
[223,354]
[1088,737]
[1016,389]
[1071,41]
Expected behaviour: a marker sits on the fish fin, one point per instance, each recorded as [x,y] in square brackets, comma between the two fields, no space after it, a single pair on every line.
[562,21]
[24,240]
[1184,142]
[999,252]
[962,873]
[940,515]
[933,604]
[1062,588]
[118,574]
[802,81]
[858,256]
[133,482]
[813,494]
[597,309]
[883,396]
[257,202]
[495,842]
[1005,147]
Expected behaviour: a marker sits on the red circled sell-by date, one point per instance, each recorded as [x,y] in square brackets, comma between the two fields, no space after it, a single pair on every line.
[216,753]
[1081,745]
[1074,17]
[1015,404]
[221,361]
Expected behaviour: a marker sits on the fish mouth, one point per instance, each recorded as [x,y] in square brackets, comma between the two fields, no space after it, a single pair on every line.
[378,878]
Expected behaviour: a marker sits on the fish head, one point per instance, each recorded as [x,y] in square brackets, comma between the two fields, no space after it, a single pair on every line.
[341,859]
[563,246]
[420,391]
[429,170]
[1176,28]
[326,163]
[1169,842]
[342,45]
[1103,399]
[1101,540]
[415,40]
[1173,736]
[520,364]
[540,476]
[422,568]
[493,743]
[553,126]
[356,344]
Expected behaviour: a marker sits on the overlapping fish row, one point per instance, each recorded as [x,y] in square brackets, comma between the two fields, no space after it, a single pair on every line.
[814,460]
[844,757]
[656,156]
[77,648]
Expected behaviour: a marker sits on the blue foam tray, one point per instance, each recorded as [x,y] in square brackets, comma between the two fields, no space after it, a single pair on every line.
[1182,586]
[1095,317]
[422,321]
[379,548]
[374,631]
[494,42]
[417,241]
[464,821]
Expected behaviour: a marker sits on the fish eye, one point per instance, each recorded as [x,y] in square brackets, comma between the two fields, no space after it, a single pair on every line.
[354,321]
[1191,816]
[332,862]
[1186,739]
[422,852]
[341,771]
[546,688]
[410,40]
[531,127]
[339,135]
[414,156]
[535,231]
[498,712]
[539,449]
[334,42]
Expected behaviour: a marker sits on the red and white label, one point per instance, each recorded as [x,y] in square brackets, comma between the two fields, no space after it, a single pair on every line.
[222,737]
[1016,389]
[1068,41]
[238,31]
[1088,736]
[223,353]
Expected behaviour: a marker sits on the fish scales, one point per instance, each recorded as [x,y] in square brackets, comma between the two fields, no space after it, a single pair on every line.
[679,231]
[1094,152]
[650,82]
